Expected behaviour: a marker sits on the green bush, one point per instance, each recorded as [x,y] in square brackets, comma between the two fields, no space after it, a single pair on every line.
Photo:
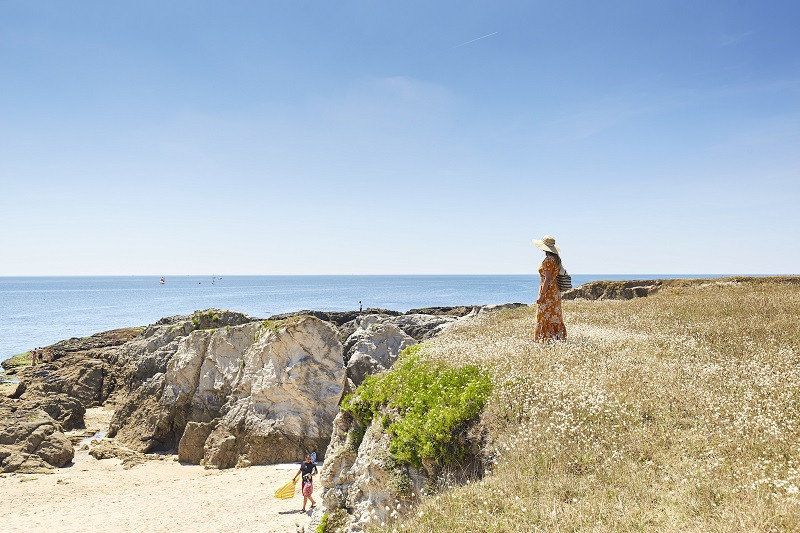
[332,522]
[428,405]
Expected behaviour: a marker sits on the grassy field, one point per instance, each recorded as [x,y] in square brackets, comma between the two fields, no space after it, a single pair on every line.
[677,412]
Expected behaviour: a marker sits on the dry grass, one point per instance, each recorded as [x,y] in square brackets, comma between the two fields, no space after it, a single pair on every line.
[679,412]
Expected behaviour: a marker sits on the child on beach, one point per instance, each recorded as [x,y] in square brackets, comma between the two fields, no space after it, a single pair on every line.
[307,469]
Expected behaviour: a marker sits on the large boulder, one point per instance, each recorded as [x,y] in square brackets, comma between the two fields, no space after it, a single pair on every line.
[264,393]
[141,367]
[31,441]
[374,347]
[191,448]
[67,410]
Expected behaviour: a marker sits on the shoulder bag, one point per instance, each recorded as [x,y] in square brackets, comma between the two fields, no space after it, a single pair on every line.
[564,280]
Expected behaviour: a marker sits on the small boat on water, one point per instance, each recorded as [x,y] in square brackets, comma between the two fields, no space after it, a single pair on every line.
[163,281]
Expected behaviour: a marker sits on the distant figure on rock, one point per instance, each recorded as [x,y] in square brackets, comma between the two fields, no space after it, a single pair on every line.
[360,307]
[308,470]
[549,320]
[34,356]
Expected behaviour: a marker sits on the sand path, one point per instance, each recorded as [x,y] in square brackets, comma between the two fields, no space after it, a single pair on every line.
[159,495]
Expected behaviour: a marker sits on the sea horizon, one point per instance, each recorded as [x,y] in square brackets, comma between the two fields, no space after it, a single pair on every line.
[41,310]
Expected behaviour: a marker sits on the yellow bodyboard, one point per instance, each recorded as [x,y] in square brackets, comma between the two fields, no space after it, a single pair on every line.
[286,491]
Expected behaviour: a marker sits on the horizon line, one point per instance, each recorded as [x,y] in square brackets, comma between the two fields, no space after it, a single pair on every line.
[534,273]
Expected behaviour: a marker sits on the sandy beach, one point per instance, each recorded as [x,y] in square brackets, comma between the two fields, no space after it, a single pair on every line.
[158,495]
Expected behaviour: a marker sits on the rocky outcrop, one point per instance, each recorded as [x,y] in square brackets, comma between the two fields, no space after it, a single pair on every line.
[365,479]
[339,318]
[31,441]
[222,387]
[108,449]
[263,392]
[374,346]
[457,311]
[613,290]
[499,307]
[627,290]
[416,327]
[192,446]
[142,365]
[66,410]
[79,376]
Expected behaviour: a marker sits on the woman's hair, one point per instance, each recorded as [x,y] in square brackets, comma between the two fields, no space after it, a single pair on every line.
[558,257]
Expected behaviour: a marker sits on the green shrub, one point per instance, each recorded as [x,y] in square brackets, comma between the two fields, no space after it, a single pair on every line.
[429,404]
[332,521]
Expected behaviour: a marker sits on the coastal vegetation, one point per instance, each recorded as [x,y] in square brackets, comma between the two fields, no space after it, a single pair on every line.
[424,405]
[679,411]
[18,361]
[202,319]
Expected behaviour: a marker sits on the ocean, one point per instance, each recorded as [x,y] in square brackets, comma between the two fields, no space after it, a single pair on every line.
[37,311]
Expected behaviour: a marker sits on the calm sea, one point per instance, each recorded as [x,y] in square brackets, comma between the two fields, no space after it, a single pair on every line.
[37,311]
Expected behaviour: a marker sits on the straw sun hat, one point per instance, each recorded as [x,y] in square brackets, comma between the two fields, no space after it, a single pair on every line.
[548,244]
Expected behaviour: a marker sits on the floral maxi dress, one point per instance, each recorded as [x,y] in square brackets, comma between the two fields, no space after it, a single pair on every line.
[549,320]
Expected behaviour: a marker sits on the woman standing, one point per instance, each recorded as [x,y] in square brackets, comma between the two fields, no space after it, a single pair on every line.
[549,320]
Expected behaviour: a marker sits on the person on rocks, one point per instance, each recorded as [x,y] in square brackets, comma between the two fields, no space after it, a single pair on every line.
[307,470]
[34,356]
[549,319]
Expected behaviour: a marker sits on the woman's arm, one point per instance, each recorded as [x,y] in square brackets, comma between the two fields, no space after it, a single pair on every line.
[548,279]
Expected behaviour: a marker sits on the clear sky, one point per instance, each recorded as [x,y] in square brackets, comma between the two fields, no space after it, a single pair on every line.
[408,137]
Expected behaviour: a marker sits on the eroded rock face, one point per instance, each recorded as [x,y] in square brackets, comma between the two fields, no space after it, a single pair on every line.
[191,448]
[66,410]
[374,346]
[31,441]
[141,367]
[412,328]
[76,375]
[366,481]
[267,393]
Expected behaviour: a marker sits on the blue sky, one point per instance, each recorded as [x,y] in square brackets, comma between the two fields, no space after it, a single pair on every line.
[363,137]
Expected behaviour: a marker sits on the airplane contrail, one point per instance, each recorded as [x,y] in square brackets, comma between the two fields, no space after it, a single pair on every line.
[478,39]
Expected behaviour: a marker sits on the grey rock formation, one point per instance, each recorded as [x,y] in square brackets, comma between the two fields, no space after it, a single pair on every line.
[457,311]
[613,290]
[191,448]
[374,346]
[76,375]
[141,367]
[499,307]
[366,480]
[67,410]
[31,441]
[271,391]
[423,327]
